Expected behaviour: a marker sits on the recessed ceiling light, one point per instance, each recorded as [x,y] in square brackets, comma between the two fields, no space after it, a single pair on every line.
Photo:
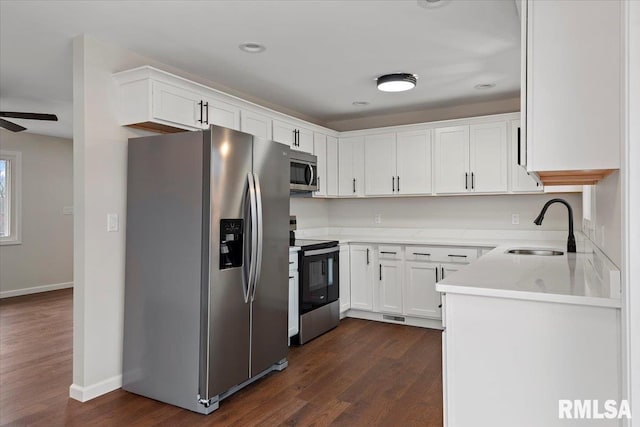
[432,4]
[251,47]
[482,86]
[360,103]
[396,82]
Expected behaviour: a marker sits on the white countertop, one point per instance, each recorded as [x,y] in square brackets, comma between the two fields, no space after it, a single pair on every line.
[587,277]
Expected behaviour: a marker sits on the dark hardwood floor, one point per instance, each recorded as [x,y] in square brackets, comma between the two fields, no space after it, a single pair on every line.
[360,374]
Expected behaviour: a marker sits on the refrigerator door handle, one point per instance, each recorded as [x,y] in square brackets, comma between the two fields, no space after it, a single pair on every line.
[258,263]
[249,276]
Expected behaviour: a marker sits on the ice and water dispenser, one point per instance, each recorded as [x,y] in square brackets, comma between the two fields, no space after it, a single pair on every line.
[231,241]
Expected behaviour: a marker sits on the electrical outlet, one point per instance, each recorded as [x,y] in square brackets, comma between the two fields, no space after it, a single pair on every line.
[515,219]
[377,219]
[113,222]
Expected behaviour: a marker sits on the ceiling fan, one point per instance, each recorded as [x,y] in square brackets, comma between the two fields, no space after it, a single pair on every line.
[6,124]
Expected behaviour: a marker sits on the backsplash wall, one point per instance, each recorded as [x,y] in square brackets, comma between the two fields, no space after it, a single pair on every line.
[466,212]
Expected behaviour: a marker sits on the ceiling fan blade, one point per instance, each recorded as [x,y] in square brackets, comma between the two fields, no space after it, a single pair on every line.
[29,116]
[11,126]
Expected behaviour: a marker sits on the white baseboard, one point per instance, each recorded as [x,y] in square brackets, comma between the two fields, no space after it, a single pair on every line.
[35,290]
[92,391]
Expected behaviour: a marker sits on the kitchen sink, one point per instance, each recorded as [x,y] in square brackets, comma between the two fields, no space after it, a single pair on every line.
[541,252]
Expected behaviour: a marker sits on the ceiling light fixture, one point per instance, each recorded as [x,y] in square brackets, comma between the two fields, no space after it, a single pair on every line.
[483,86]
[251,47]
[396,82]
[360,103]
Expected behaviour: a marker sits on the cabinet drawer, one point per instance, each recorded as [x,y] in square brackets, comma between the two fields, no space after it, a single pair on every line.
[389,252]
[441,254]
[454,255]
[293,261]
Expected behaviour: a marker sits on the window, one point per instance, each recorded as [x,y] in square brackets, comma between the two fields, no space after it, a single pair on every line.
[10,163]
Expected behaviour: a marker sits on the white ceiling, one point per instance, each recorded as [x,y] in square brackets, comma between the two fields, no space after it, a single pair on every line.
[321,55]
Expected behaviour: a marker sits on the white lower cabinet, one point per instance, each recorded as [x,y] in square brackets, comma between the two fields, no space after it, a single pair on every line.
[361,274]
[345,278]
[390,280]
[420,296]
[294,318]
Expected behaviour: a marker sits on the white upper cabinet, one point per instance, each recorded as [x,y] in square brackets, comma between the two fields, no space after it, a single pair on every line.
[296,137]
[255,124]
[220,114]
[331,180]
[380,164]
[521,180]
[413,162]
[572,53]
[177,106]
[488,159]
[472,158]
[351,166]
[320,151]
[451,162]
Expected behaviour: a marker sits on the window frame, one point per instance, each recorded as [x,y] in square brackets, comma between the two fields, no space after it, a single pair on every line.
[15,197]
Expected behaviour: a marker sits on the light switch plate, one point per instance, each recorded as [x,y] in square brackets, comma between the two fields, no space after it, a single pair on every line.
[515,219]
[113,222]
[377,219]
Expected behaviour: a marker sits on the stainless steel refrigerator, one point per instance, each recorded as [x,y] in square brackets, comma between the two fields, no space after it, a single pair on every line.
[206,285]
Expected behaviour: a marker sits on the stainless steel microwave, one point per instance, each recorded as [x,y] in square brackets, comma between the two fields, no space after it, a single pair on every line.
[304,172]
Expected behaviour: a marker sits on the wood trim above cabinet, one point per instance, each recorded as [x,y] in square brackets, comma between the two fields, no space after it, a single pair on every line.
[571,177]
[156,127]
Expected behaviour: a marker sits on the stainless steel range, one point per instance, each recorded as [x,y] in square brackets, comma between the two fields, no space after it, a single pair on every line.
[319,273]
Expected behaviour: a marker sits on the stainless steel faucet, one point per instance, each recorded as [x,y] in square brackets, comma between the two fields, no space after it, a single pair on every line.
[571,240]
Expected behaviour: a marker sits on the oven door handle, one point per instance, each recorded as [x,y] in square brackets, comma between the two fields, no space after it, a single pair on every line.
[321,251]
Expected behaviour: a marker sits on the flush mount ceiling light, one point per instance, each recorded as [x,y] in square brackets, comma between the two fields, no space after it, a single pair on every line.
[483,86]
[251,47]
[360,103]
[397,82]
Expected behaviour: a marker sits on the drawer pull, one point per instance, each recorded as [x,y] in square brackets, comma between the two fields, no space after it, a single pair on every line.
[458,256]
[291,277]
[290,262]
[388,253]
[420,253]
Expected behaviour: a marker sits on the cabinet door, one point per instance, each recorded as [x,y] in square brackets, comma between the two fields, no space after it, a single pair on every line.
[413,162]
[284,133]
[390,280]
[320,151]
[176,105]
[293,304]
[574,79]
[351,166]
[221,114]
[447,269]
[451,163]
[331,181]
[488,157]
[255,124]
[520,178]
[361,267]
[345,278]
[420,296]
[305,140]
[380,164]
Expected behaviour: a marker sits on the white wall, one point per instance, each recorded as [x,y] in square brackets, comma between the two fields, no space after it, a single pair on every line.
[44,259]
[466,212]
[607,217]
